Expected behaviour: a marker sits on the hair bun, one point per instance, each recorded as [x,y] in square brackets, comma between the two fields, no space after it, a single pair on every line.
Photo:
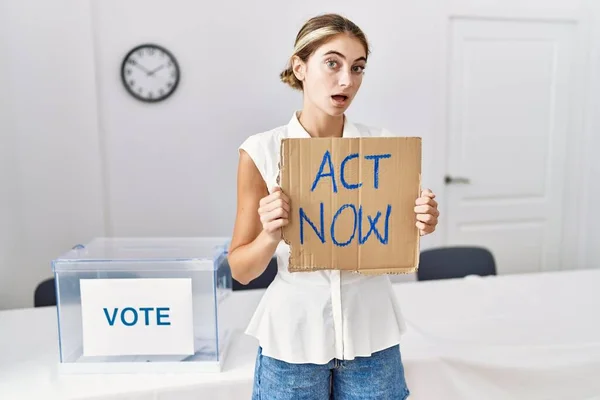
[288,77]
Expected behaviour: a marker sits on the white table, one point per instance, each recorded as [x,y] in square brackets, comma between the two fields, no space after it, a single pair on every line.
[511,337]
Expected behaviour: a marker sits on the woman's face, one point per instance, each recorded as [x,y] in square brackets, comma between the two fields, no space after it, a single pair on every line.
[333,74]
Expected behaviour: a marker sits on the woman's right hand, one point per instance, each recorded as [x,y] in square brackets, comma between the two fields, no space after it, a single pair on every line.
[274,212]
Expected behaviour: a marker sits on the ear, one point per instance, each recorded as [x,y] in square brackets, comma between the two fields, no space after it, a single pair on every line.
[299,68]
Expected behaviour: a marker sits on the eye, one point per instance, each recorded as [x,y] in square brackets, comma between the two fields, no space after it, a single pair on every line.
[358,69]
[331,63]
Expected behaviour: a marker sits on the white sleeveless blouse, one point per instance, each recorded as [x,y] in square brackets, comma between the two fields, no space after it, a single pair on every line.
[313,317]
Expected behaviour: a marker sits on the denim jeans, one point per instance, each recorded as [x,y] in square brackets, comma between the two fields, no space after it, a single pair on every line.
[380,376]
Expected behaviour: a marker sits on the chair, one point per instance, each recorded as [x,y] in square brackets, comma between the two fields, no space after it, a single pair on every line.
[44,294]
[455,262]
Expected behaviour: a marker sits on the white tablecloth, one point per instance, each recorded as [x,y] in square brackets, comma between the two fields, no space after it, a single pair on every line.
[511,337]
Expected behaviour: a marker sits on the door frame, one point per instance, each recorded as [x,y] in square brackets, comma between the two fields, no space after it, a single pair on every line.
[573,251]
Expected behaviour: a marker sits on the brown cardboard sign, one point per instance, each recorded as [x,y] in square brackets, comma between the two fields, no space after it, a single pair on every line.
[352,203]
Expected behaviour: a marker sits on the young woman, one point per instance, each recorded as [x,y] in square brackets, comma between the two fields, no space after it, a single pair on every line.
[323,333]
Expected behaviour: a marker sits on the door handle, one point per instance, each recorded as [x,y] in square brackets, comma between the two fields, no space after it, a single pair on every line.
[449,179]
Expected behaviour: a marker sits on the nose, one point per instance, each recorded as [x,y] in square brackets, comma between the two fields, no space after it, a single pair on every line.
[345,78]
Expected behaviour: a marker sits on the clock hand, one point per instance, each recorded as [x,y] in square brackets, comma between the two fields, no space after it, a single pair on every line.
[155,70]
[140,66]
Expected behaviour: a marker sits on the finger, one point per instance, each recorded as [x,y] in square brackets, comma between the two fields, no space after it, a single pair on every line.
[426,200]
[427,193]
[284,196]
[277,224]
[279,213]
[273,206]
[268,199]
[427,218]
[278,193]
[273,215]
[272,197]
[279,203]
[427,209]
[424,229]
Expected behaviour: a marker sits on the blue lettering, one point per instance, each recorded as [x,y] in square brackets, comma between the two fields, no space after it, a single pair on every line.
[376,158]
[111,321]
[135,316]
[159,315]
[382,233]
[146,317]
[343,170]
[320,174]
[373,226]
[320,232]
[335,217]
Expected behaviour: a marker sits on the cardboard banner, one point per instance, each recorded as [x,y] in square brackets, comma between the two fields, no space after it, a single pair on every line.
[352,203]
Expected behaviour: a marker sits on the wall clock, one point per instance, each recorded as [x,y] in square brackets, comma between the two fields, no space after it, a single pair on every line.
[150,73]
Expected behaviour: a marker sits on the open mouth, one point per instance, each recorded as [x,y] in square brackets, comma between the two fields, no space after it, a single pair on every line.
[339,98]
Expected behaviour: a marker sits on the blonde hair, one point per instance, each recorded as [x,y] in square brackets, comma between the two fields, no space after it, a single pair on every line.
[313,34]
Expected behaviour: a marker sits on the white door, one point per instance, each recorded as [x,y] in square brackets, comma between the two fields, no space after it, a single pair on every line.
[508,119]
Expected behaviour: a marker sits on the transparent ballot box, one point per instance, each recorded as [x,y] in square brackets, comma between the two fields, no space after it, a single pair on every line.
[143,305]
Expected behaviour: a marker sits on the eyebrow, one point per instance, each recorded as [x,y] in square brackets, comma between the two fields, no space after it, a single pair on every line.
[344,57]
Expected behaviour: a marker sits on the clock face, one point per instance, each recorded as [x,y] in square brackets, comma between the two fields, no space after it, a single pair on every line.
[150,73]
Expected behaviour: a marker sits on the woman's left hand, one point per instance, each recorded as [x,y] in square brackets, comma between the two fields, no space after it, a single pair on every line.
[427,212]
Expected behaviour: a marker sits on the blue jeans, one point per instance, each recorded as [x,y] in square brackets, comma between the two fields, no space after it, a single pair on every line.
[380,376]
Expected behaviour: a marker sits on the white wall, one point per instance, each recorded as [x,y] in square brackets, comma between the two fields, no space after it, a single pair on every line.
[9,191]
[590,190]
[169,168]
[177,161]
[50,161]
